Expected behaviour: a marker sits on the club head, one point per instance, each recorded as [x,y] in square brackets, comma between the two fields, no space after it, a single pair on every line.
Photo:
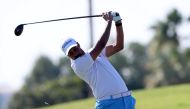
[19,30]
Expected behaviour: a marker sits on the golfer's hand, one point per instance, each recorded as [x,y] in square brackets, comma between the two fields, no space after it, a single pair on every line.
[107,16]
[116,17]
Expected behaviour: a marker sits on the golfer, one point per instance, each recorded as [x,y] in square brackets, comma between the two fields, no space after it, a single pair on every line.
[95,69]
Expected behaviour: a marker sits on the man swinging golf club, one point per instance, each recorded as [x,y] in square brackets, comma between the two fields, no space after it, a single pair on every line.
[95,69]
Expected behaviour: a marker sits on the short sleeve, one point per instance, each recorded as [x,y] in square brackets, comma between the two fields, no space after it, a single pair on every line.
[82,65]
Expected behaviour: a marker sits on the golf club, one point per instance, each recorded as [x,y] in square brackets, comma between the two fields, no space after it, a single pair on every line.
[19,29]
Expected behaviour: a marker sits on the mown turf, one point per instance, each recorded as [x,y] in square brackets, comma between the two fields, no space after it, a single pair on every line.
[172,97]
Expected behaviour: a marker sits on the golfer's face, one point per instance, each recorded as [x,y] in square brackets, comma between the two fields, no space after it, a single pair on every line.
[73,52]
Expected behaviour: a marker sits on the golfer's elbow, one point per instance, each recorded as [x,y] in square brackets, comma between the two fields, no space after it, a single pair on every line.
[120,47]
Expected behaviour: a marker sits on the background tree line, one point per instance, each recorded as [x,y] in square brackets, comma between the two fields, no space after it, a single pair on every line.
[160,62]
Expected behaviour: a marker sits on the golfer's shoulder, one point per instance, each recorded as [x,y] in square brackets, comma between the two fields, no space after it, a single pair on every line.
[83,63]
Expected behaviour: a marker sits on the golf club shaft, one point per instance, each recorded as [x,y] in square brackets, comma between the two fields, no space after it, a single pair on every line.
[63,19]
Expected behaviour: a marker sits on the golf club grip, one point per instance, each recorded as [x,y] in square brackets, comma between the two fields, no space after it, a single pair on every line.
[64,19]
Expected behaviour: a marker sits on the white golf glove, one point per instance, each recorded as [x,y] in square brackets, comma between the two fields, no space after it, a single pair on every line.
[116,16]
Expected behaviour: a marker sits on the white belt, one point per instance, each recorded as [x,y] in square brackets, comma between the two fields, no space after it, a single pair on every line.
[128,93]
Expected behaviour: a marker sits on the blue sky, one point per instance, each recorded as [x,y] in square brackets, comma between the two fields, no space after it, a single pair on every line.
[18,54]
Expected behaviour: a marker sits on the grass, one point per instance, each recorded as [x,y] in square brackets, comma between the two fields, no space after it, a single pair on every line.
[171,97]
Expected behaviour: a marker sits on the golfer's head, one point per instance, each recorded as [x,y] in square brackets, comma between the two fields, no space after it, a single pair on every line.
[71,48]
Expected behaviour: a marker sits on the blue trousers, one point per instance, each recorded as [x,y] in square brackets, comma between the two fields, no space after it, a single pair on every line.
[127,102]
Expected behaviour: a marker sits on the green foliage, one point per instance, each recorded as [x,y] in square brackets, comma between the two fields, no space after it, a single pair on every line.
[166,61]
[187,54]
[43,71]
[136,53]
[174,16]
[186,65]
[166,30]
[119,61]
[136,69]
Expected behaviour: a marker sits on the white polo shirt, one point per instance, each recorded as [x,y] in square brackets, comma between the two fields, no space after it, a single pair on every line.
[101,76]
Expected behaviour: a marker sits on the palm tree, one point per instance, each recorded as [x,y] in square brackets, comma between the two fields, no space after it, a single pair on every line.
[163,50]
[166,30]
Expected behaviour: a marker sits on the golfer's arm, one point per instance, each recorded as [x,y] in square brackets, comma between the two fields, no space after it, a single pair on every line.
[100,45]
[119,44]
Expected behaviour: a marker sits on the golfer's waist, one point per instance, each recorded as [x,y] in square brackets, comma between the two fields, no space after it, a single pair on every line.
[115,96]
